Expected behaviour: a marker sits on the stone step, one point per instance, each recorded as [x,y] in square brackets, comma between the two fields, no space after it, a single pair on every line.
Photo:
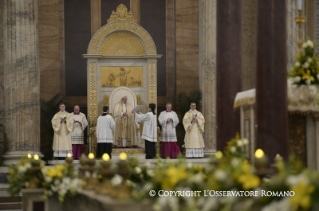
[10,206]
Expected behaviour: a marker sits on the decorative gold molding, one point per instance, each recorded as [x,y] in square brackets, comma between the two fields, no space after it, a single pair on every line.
[121,14]
[122,24]
[152,93]
[105,100]
[139,99]
[92,95]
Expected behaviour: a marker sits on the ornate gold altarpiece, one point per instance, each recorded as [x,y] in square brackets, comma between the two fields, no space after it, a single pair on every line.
[120,46]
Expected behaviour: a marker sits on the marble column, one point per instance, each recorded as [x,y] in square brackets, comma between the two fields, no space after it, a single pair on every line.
[21,78]
[292,32]
[170,52]
[95,16]
[136,10]
[271,86]
[229,73]
[1,81]
[248,33]
[207,70]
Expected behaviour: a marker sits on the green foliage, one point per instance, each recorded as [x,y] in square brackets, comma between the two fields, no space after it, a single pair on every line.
[184,99]
[48,110]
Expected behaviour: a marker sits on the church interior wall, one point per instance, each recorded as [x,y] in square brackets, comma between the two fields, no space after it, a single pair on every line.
[1,66]
[170,53]
[1,79]
[77,36]
[153,21]
[51,47]
[187,52]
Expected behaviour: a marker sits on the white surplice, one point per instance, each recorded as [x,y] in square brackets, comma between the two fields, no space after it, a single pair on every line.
[77,134]
[168,133]
[149,127]
[104,129]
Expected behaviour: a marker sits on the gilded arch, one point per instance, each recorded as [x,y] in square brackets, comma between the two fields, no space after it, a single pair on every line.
[121,24]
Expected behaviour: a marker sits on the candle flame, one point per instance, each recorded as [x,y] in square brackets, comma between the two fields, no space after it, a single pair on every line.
[91,156]
[36,157]
[259,153]
[106,157]
[29,155]
[69,155]
[123,156]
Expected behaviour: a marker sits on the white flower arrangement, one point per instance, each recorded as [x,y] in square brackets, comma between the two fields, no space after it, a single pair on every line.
[306,66]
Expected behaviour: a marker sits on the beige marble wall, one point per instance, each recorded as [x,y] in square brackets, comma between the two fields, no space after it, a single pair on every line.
[187,45]
[21,78]
[95,16]
[136,10]
[51,47]
[170,52]
[207,69]
[248,43]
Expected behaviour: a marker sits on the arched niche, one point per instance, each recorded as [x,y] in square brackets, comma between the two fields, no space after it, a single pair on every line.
[120,44]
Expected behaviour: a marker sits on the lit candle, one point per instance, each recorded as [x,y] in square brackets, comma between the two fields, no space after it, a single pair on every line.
[278,157]
[105,157]
[29,156]
[123,156]
[219,154]
[69,155]
[91,156]
[259,153]
[36,157]
[299,2]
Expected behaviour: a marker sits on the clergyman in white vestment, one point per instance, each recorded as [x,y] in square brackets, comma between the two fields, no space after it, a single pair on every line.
[77,134]
[193,122]
[149,130]
[125,131]
[62,124]
[104,133]
[169,120]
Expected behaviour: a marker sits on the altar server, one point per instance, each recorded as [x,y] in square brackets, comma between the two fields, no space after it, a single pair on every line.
[193,122]
[149,130]
[104,133]
[62,124]
[77,134]
[168,120]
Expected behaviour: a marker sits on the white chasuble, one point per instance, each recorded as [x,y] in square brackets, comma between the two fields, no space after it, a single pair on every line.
[104,129]
[194,131]
[62,132]
[168,133]
[77,134]
[149,126]
[125,127]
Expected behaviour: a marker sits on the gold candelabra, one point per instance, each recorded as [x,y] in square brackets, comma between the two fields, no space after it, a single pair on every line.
[300,20]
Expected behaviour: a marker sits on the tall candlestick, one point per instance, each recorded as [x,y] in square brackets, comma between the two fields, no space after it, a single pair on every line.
[299,2]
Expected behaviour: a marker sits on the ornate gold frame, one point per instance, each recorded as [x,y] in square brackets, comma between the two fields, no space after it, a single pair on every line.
[120,20]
